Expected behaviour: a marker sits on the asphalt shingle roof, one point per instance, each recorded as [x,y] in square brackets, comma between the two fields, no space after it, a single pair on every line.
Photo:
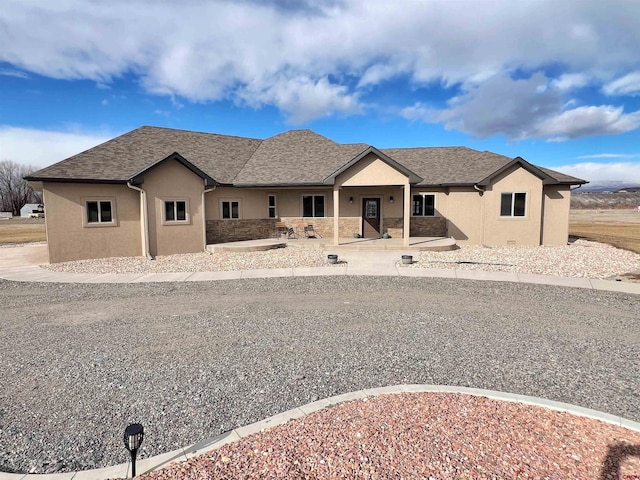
[448,165]
[220,156]
[296,156]
[293,157]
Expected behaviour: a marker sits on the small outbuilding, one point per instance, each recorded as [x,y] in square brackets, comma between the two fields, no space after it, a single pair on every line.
[31,209]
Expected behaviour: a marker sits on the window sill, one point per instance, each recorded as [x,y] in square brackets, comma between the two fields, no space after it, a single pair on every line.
[100,224]
[176,223]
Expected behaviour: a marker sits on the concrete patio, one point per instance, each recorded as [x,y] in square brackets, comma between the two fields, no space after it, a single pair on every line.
[415,244]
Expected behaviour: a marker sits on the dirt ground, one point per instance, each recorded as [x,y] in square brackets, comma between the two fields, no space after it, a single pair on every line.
[22,230]
[626,215]
[620,228]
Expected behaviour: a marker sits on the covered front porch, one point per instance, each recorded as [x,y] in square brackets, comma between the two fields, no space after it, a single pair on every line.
[378,190]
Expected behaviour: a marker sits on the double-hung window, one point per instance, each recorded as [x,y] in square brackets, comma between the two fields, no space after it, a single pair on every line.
[513,204]
[313,205]
[175,211]
[99,212]
[271,201]
[424,205]
[230,209]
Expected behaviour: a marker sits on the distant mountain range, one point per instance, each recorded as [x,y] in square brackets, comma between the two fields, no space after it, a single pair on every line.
[609,186]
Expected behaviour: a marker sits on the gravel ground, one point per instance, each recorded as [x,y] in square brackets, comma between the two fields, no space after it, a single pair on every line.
[425,435]
[192,360]
[579,259]
[199,262]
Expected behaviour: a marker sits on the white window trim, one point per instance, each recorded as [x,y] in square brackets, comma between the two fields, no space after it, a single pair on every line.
[513,205]
[186,221]
[275,205]
[99,224]
[230,200]
[435,199]
[313,204]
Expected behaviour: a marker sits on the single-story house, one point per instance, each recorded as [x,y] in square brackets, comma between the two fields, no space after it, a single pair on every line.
[32,208]
[158,191]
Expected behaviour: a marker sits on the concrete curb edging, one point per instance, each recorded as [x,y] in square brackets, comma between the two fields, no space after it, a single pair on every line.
[158,462]
[37,274]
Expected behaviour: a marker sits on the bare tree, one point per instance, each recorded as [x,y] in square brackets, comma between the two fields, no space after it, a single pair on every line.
[15,192]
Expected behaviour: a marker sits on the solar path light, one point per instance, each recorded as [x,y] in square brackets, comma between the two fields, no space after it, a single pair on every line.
[133,436]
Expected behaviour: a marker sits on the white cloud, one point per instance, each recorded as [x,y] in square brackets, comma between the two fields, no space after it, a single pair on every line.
[501,105]
[43,147]
[419,111]
[569,81]
[627,85]
[333,50]
[524,108]
[10,72]
[600,172]
[587,121]
[611,155]
[303,98]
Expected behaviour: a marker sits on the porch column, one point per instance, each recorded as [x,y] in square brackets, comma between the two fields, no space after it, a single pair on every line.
[336,214]
[407,214]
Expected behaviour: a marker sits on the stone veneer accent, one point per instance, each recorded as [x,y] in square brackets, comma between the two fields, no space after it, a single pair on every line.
[419,226]
[393,226]
[221,231]
[348,226]
[322,225]
[428,227]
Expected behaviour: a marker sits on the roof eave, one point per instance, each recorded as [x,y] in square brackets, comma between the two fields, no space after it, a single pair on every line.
[73,180]
[279,184]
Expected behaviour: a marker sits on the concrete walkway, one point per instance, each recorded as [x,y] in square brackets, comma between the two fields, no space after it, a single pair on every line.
[379,263]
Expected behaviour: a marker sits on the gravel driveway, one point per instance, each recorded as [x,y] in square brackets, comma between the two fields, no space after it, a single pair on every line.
[191,360]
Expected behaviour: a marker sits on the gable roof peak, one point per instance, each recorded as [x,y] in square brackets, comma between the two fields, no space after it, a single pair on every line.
[300,133]
[413,177]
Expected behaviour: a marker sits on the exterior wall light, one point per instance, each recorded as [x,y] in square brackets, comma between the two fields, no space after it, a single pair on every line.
[350,199]
[390,198]
[133,436]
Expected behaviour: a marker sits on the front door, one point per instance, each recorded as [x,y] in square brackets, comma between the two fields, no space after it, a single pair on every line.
[371,217]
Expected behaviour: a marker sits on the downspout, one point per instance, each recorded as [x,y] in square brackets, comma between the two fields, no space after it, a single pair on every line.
[475,185]
[204,219]
[145,220]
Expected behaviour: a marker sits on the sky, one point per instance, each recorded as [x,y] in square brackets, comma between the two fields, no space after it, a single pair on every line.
[556,82]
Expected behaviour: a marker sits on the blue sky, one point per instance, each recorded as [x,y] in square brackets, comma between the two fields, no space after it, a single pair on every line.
[557,83]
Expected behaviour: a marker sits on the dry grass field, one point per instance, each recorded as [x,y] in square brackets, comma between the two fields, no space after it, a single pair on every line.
[620,228]
[22,230]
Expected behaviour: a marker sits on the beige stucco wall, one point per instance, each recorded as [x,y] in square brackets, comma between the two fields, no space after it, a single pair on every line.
[555,220]
[253,202]
[513,230]
[69,238]
[370,171]
[173,181]
[462,207]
